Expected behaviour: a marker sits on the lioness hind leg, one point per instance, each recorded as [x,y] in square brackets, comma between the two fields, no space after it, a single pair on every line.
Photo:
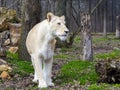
[35,75]
[47,71]
[39,72]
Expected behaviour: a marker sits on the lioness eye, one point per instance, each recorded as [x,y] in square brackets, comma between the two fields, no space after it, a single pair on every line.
[59,23]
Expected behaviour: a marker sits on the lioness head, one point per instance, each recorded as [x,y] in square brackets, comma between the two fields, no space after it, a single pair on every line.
[57,25]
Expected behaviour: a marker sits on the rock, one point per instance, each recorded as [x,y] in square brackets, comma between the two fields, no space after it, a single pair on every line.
[4,67]
[7,15]
[13,49]
[15,33]
[5,35]
[5,75]
[2,52]
[3,25]
[108,71]
[2,61]
[116,48]
[7,42]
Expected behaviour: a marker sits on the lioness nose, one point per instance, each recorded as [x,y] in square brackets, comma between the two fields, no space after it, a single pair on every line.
[66,32]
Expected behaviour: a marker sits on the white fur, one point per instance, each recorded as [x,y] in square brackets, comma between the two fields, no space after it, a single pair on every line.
[40,44]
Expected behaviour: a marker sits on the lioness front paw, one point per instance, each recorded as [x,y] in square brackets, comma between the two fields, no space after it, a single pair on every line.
[50,84]
[42,84]
[35,80]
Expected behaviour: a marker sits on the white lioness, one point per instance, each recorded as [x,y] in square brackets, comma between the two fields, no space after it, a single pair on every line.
[40,44]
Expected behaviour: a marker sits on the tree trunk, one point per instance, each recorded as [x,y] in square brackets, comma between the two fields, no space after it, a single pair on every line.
[105,21]
[86,39]
[86,33]
[60,9]
[117,26]
[31,16]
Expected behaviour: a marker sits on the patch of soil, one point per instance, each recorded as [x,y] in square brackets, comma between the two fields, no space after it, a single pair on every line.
[98,50]
[17,83]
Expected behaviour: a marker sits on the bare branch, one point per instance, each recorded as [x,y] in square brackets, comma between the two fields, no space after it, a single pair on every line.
[76,20]
[96,6]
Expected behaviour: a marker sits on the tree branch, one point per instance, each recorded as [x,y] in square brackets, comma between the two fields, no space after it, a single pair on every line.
[96,6]
[76,20]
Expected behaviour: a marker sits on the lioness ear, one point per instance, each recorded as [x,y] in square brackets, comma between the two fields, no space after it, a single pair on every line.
[62,17]
[49,16]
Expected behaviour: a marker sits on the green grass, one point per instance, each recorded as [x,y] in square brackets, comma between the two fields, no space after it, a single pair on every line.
[100,39]
[106,41]
[21,67]
[64,57]
[104,86]
[61,56]
[99,87]
[77,39]
[117,85]
[66,49]
[112,55]
[81,71]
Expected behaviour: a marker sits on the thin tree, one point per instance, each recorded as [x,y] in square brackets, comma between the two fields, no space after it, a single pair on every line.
[86,37]
[105,20]
[86,31]
[117,26]
[31,16]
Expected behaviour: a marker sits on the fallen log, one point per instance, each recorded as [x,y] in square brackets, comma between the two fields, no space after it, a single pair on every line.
[108,71]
